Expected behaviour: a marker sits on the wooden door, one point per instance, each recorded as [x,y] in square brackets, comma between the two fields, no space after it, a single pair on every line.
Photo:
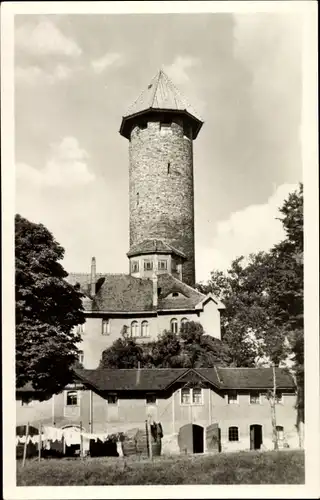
[185,439]
[213,438]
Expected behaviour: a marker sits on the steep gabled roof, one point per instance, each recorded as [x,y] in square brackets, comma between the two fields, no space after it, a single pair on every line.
[150,246]
[162,94]
[84,280]
[125,293]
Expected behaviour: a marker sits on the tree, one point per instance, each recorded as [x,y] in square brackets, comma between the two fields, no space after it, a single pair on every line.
[47,310]
[123,353]
[192,348]
[263,295]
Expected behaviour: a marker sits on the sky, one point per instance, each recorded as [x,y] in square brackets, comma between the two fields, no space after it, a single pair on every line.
[76,75]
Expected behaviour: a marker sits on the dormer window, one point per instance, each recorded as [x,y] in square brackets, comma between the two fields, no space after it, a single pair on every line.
[148,265]
[175,294]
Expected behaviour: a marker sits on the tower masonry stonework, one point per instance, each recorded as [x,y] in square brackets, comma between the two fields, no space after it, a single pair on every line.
[161,129]
[161,189]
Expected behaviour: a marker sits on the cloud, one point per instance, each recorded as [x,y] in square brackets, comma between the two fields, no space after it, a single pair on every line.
[45,39]
[177,71]
[32,75]
[66,167]
[109,59]
[253,229]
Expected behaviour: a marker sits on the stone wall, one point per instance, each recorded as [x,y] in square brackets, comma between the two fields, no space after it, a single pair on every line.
[161,188]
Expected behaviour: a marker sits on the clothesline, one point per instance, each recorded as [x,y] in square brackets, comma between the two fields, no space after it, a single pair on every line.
[71,435]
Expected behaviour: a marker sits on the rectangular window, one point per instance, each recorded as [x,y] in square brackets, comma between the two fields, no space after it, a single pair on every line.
[151,399]
[148,265]
[105,327]
[134,266]
[112,399]
[233,434]
[185,396]
[232,398]
[197,396]
[81,357]
[279,397]
[72,398]
[280,432]
[191,396]
[254,398]
[162,265]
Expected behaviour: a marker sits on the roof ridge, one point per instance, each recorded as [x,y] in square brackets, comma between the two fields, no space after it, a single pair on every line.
[155,89]
[246,367]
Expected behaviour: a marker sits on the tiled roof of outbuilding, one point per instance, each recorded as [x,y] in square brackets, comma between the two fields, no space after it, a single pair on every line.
[150,246]
[157,379]
[129,380]
[161,378]
[254,378]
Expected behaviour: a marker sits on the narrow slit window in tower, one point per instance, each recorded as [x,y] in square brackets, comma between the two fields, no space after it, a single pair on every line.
[169,165]
[137,199]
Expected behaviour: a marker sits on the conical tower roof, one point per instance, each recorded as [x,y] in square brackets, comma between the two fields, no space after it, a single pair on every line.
[161,95]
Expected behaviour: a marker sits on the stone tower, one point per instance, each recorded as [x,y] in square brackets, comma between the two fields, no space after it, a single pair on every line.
[161,127]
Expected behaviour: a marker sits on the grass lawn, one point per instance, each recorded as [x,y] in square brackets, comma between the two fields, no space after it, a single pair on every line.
[271,467]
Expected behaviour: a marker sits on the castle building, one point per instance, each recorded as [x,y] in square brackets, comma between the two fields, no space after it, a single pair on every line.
[200,409]
[158,292]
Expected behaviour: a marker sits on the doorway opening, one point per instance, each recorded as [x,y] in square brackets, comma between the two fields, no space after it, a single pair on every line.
[255,436]
[190,439]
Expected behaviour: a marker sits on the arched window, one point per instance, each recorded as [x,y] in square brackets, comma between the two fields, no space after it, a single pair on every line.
[233,434]
[174,325]
[184,321]
[72,398]
[144,329]
[134,329]
[105,327]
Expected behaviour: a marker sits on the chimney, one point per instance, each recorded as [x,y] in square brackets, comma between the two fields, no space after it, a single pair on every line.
[155,290]
[93,277]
